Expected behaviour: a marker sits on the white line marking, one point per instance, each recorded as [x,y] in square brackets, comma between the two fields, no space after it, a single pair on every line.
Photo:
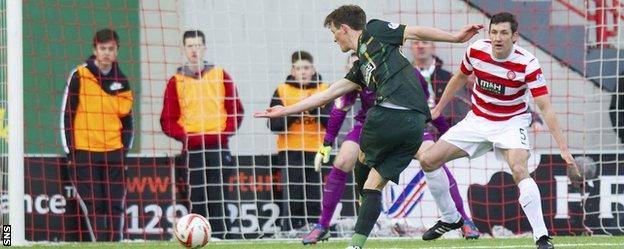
[521,246]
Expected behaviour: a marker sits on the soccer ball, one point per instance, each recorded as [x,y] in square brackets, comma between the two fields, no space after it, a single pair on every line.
[192,231]
[587,167]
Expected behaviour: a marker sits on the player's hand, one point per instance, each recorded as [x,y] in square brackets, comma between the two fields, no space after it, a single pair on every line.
[272,112]
[570,161]
[468,32]
[321,155]
[537,127]
[435,113]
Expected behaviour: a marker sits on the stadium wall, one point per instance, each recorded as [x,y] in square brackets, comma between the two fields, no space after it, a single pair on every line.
[489,194]
[253,40]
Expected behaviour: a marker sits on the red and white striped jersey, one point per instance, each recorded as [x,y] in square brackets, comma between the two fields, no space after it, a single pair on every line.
[500,91]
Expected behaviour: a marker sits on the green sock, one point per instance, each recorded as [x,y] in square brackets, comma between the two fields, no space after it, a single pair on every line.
[358,240]
[368,214]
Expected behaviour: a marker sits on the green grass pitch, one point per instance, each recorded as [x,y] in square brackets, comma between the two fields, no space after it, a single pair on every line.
[560,242]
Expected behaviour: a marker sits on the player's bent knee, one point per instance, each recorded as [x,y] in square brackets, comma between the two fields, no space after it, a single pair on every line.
[520,172]
[419,155]
[347,167]
[344,165]
[375,186]
[375,181]
[426,163]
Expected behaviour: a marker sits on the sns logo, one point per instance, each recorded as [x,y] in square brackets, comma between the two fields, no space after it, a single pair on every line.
[6,235]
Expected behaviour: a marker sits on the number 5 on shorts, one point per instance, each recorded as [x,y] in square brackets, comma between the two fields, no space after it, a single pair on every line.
[523,136]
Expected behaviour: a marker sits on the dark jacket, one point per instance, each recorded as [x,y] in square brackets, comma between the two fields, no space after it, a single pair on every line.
[281,124]
[460,104]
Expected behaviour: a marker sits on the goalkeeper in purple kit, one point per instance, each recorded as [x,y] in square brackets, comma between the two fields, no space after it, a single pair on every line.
[347,158]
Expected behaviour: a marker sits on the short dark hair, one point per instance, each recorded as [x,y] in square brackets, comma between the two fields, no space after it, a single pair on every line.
[193,34]
[503,17]
[105,35]
[351,15]
[301,55]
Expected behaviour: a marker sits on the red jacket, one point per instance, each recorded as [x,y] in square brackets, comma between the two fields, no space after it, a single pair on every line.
[171,114]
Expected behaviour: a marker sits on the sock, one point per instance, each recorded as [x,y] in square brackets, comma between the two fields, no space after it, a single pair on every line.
[369,212]
[531,203]
[361,174]
[457,199]
[438,184]
[358,240]
[331,194]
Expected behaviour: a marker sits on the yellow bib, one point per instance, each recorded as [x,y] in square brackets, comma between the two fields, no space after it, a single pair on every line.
[97,124]
[202,108]
[302,135]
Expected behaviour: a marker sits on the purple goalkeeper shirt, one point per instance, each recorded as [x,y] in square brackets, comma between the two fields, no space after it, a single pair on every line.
[343,104]
[339,112]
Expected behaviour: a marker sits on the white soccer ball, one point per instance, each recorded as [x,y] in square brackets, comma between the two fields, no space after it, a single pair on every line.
[192,231]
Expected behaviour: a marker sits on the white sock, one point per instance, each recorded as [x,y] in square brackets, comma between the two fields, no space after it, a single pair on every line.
[531,203]
[438,184]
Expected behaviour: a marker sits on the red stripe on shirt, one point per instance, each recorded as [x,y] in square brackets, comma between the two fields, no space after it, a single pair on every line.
[479,113]
[532,76]
[467,59]
[495,79]
[465,70]
[498,109]
[483,56]
[539,91]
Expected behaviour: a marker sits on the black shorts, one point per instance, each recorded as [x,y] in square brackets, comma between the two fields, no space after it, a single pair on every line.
[390,139]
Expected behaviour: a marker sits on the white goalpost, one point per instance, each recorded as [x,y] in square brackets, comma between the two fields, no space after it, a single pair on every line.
[15,121]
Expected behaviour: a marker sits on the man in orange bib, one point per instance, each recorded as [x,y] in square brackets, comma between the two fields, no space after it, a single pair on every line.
[96,132]
[202,110]
[298,137]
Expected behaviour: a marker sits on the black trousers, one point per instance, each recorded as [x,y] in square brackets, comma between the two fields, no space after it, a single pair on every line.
[301,195]
[206,171]
[99,178]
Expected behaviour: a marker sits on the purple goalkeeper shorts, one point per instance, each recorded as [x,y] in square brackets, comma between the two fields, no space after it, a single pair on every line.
[354,134]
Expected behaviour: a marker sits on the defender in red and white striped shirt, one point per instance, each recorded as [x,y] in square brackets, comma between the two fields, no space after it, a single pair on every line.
[500,92]
[506,74]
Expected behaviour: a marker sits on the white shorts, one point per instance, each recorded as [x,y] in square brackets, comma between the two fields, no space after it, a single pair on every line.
[477,135]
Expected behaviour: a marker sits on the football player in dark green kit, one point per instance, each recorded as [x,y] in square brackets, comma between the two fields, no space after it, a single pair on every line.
[393,129]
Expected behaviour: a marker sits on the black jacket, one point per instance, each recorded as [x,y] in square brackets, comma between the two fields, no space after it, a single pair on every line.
[460,104]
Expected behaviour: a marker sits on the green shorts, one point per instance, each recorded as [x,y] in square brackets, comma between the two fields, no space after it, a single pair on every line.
[390,138]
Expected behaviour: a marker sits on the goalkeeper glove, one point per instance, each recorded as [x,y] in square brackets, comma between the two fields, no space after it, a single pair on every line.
[322,155]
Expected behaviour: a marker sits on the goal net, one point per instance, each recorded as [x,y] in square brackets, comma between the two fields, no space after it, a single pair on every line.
[195,146]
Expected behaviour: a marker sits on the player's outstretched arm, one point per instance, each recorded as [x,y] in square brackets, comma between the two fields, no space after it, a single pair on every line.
[455,83]
[434,34]
[335,90]
[543,102]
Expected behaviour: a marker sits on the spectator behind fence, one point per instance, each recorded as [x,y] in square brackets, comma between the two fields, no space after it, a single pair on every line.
[298,138]
[202,110]
[97,132]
